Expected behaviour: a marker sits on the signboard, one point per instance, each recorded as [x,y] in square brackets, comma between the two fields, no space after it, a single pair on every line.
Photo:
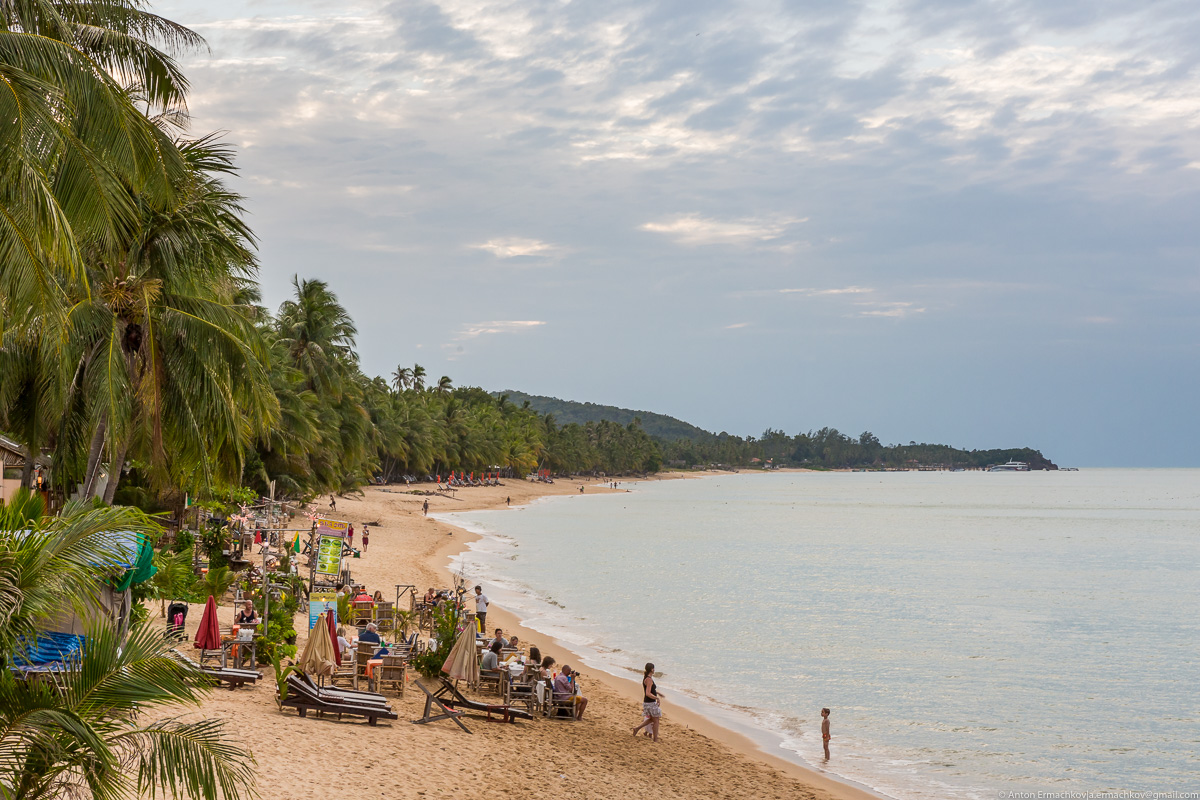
[329,556]
[319,602]
[334,526]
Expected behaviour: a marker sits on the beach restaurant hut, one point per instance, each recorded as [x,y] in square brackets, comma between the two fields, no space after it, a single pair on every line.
[12,462]
[62,635]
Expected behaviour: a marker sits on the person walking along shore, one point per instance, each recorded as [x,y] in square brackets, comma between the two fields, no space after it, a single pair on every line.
[651,710]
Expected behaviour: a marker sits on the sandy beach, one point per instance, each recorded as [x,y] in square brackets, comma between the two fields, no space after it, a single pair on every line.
[595,758]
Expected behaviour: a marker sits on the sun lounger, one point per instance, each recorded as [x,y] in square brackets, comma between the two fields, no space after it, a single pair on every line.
[234,677]
[334,695]
[447,712]
[302,698]
[451,696]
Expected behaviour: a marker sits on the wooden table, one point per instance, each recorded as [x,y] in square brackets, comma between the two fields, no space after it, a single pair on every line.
[228,645]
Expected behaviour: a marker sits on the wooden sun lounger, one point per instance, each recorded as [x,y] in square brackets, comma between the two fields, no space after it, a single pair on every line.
[304,699]
[451,696]
[333,694]
[234,677]
[447,713]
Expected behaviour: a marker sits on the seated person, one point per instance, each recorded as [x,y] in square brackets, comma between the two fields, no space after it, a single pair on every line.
[371,634]
[247,616]
[514,643]
[343,643]
[491,660]
[431,598]
[362,596]
[544,672]
[564,687]
[377,597]
[499,638]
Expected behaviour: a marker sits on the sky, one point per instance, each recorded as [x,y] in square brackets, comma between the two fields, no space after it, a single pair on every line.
[955,221]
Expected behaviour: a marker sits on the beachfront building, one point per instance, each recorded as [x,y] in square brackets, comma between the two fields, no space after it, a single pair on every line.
[12,461]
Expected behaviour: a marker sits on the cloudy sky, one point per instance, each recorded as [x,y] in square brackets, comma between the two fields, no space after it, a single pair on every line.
[939,220]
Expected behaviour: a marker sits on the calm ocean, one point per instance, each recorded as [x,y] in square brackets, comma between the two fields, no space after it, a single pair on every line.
[974,633]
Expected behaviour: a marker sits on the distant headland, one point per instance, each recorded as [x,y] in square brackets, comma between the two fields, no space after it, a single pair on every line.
[683,445]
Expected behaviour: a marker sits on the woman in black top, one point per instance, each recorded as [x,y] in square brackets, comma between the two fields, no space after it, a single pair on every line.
[651,711]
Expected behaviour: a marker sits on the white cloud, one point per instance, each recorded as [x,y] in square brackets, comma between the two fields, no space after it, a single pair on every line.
[889,309]
[518,247]
[828,292]
[376,191]
[736,326]
[693,230]
[455,348]
[477,329]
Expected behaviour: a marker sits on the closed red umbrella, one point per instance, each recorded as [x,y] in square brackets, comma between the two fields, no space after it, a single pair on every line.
[337,648]
[208,637]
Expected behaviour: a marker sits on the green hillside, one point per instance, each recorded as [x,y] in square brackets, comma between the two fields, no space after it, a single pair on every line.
[568,411]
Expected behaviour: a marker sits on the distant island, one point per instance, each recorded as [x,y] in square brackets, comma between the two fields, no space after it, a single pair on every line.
[683,445]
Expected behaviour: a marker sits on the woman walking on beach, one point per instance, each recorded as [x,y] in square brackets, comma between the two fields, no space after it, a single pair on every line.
[366,537]
[651,710]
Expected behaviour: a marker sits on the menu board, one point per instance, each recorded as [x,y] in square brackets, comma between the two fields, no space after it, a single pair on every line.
[329,556]
[319,602]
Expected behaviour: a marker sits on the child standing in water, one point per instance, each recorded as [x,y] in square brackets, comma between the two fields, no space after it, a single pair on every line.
[825,731]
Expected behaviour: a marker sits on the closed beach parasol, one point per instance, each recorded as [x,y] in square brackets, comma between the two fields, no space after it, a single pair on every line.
[208,637]
[331,624]
[463,662]
[318,657]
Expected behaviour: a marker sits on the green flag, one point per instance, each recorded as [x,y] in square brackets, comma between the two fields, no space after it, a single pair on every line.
[296,544]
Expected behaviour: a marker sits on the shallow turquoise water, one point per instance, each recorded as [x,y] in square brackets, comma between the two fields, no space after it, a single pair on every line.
[973,632]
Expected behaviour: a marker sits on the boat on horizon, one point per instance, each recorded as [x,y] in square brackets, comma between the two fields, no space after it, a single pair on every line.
[1010,466]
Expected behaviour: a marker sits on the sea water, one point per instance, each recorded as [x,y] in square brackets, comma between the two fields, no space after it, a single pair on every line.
[973,633]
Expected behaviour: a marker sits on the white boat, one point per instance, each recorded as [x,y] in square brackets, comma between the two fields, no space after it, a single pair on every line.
[1011,466]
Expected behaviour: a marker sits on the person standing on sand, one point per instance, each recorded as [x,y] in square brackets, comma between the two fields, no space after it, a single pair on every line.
[425,508]
[508,501]
[332,503]
[825,737]
[581,489]
[651,710]
[350,534]
[481,605]
[366,537]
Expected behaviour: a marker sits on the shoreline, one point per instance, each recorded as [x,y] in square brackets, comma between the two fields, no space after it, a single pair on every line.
[693,718]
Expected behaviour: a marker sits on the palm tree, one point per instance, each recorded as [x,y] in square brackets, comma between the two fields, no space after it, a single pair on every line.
[318,335]
[445,385]
[80,736]
[418,378]
[167,364]
[401,378]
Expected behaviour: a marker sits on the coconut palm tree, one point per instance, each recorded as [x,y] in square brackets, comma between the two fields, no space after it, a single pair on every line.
[169,366]
[80,736]
[401,378]
[445,385]
[418,378]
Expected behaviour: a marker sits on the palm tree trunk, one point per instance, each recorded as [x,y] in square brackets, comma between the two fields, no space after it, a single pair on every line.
[114,472]
[93,463]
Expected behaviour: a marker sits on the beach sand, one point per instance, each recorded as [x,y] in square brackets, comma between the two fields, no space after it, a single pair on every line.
[595,758]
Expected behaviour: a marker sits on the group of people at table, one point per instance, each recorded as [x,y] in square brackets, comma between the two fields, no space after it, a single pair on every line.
[536,668]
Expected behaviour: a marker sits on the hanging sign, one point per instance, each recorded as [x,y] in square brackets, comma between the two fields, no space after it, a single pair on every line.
[334,526]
